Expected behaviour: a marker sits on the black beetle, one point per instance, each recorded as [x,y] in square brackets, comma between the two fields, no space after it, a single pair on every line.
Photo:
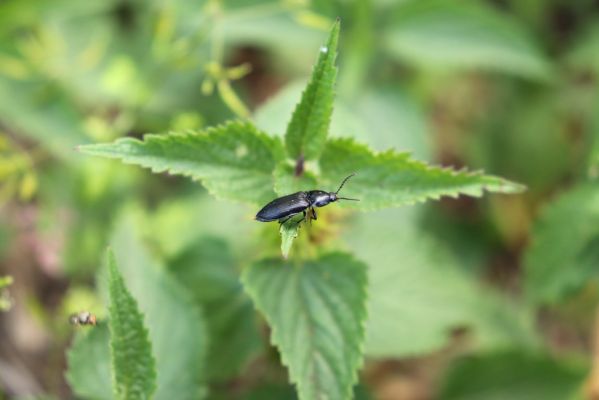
[286,207]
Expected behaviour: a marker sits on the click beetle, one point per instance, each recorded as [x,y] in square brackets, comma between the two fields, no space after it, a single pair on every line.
[283,208]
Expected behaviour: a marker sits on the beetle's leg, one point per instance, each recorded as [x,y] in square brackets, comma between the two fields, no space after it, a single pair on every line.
[314,214]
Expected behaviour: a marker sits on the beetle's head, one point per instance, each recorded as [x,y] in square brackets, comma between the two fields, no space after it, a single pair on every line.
[333,195]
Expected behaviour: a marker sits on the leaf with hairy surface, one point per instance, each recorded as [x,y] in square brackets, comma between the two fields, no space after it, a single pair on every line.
[307,131]
[390,179]
[133,365]
[234,161]
[317,312]
[175,322]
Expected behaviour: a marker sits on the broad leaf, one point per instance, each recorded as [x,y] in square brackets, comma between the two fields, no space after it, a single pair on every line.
[563,255]
[317,312]
[309,125]
[391,179]
[419,293]
[512,375]
[234,161]
[208,269]
[133,365]
[438,34]
[175,323]
[88,358]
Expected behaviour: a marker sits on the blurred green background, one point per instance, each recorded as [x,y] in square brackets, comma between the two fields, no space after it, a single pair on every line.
[493,298]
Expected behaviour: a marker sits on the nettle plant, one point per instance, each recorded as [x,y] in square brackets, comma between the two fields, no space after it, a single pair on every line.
[314,301]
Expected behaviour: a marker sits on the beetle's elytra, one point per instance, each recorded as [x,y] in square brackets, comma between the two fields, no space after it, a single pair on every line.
[283,208]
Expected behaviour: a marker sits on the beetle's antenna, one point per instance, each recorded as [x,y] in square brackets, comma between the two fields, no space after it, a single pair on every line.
[343,183]
[347,198]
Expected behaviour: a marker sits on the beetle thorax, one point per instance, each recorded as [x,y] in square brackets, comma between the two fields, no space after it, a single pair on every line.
[319,198]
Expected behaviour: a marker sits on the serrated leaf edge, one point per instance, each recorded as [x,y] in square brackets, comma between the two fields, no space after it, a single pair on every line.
[115,274]
[362,321]
[332,42]
[101,150]
[394,156]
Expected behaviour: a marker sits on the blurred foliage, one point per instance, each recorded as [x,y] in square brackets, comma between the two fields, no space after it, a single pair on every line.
[508,86]
[5,301]
[512,375]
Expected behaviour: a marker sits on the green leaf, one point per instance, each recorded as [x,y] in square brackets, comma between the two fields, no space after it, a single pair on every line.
[133,365]
[512,375]
[439,34]
[383,118]
[289,231]
[419,293]
[563,257]
[88,358]
[179,222]
[317,312]
[234,161]
[175,323]
[6,281]
[309,125]
[286,182]
[583,55]
[250,25]
[390,179]
[208,269]
[511,147]
[593,159]
[5,300]
[58,128]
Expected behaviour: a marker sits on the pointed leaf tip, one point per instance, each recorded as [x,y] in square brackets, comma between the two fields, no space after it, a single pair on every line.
[308,128]
[233,161]
[391,179]
[133,364]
